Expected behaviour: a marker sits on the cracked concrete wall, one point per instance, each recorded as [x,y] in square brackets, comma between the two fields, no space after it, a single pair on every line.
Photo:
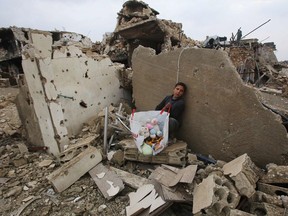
[223,117]
[66,88]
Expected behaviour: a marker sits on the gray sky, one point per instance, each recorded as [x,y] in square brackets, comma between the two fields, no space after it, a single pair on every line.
[199,17]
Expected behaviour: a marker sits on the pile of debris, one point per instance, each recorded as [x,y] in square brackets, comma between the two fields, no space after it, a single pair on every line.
[87,181]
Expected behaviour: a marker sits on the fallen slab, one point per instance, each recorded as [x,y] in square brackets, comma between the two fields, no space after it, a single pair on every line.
[71,171]
[130,179]
[171,176]
[107,181]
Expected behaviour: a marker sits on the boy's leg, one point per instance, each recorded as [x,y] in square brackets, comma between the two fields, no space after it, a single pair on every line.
[173,127]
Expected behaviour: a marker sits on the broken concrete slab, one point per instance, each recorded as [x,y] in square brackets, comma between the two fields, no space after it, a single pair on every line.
[61,109]
[224,114]
[107,181]
[244,173]
[164,176]
[71,171]
[130,179]
[171,176]
[73,150]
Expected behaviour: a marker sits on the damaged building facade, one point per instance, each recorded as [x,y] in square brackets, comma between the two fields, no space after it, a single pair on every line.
[63,87]
[236,112]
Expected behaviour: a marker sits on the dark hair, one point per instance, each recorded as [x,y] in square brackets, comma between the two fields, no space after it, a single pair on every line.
[181,84]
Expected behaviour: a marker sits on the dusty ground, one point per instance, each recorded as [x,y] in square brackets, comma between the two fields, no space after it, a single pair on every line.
[26,191]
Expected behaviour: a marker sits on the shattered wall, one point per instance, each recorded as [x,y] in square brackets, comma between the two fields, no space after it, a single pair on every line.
[223,116]
[63,88]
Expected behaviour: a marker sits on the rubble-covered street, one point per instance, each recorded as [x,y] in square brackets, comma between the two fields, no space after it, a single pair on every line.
[67,104]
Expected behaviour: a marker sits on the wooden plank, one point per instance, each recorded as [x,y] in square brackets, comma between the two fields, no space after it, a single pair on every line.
[107,181]
[130,179]
[70,172]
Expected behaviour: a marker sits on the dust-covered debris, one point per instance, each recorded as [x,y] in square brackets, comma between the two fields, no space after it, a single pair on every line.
[197,184]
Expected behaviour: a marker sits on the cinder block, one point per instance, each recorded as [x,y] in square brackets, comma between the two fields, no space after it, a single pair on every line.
[263,197]
[71,171]
[272,189]
[174,154]
[215,195]
[266,209]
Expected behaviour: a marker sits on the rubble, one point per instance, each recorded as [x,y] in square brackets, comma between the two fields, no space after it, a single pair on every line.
[76,154]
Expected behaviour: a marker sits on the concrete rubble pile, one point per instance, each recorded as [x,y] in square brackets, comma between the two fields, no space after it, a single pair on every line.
[67,147]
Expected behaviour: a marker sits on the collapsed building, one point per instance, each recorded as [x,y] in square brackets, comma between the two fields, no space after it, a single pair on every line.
[65,80]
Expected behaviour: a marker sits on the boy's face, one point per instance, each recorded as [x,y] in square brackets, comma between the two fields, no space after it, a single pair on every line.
[178,91]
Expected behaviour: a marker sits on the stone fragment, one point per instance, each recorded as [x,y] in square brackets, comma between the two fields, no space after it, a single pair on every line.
[19,162]
[244,173]
[22,148]
[109,184]
[45,163]
[15,191]
[275,174]
[118,157]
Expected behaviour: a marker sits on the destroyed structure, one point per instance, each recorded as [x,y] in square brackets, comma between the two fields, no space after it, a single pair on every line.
[74,103]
